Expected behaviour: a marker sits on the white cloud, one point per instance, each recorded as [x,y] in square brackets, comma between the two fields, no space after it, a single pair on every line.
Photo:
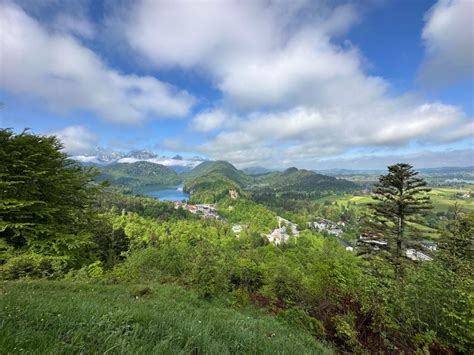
[449,39]
[75,25]
[210,120]
[301,93]
[304,133]
[76,139]
[422,159]
[257,53]
[67,75]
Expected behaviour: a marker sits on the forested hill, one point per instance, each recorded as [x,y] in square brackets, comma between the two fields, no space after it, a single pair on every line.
[140,173]
[303,181]
[221,168]
[211,180]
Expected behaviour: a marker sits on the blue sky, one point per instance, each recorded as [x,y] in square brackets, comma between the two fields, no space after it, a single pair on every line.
[314,84]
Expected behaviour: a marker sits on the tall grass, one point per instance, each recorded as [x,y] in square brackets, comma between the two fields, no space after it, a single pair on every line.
[57,317]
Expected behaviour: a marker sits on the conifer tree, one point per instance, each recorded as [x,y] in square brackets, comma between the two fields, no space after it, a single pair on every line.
[401,198]
[44,197]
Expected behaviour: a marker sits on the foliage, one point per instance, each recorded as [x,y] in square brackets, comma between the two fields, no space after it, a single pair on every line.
[33,266]
[45,198]
[211,181]
[140,173]
[402,198]
[54,219]
[301,180]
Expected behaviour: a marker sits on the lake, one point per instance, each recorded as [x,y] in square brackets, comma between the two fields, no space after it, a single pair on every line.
[173,193]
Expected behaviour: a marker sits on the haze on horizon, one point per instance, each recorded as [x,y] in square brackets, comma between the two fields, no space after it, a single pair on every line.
[313,84]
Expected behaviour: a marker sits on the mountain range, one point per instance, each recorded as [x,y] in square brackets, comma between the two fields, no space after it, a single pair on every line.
[103,157]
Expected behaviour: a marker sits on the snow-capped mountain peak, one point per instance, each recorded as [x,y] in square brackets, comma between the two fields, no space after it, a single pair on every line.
[103,157]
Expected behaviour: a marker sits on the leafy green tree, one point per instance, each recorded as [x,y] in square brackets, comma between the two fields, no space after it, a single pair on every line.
[44,198]
[401,200]
[456,248]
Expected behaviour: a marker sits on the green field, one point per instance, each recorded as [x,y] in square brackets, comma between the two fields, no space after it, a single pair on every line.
[59,317]
[442,199]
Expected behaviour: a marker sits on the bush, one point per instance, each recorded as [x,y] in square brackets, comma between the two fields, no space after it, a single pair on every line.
[298,317]
[90,272]
[34,266]
[246,274]
[346,332]
[140,265]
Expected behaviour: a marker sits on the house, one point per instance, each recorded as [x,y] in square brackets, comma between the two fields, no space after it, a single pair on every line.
[345,244]
[466,195]
[330,227]
[234,194]
[208,211]
[237,228]
[373,240]
[322,224]
[417,255]
[429,245]
[278,236]
[293,226]
[379,243]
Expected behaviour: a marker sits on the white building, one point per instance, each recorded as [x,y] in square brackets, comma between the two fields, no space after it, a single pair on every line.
[237,228]
[278,236]
[417,255]
[293,226]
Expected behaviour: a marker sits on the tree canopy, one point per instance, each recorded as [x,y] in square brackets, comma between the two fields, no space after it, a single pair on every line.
[44,196]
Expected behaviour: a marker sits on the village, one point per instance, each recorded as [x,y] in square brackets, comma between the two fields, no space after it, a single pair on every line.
[286,229]
[206,210]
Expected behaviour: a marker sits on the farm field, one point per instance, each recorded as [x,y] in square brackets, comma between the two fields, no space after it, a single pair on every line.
[59,317]
[442,198]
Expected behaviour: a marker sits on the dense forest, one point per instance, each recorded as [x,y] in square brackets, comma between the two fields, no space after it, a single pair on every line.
[62,230]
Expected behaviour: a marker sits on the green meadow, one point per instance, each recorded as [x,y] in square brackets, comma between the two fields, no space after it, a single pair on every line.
[442,199]
[59,317]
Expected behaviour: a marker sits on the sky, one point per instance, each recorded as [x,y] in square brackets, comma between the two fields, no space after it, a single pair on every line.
[315,84]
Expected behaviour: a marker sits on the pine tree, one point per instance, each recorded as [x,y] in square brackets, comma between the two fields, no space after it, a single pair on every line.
[401,200]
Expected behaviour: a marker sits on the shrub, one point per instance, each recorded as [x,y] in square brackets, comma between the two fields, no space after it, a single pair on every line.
[140,265]
[89,272]
[345,330]
[34,266]
[298,317]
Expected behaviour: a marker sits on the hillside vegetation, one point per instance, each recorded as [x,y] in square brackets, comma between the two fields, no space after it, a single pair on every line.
[302,180]
[210,181]
[140,173]
[121,274]
[72,317]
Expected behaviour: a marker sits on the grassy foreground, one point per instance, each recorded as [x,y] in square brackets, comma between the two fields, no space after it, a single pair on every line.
[69,317]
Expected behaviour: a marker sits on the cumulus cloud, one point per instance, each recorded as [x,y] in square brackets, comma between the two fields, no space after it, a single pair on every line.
[258,53]
[57,68]
[76,139]
[75,25]
[304,133]
[422,159]
[448,36]
[210,120]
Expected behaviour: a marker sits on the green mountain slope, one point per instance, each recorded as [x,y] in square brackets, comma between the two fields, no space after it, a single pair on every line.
[48,317]
[302,180]
[219,168]
[211,180]
[139,174]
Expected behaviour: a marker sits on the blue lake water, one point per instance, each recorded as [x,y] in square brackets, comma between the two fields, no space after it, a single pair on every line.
[166,193]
